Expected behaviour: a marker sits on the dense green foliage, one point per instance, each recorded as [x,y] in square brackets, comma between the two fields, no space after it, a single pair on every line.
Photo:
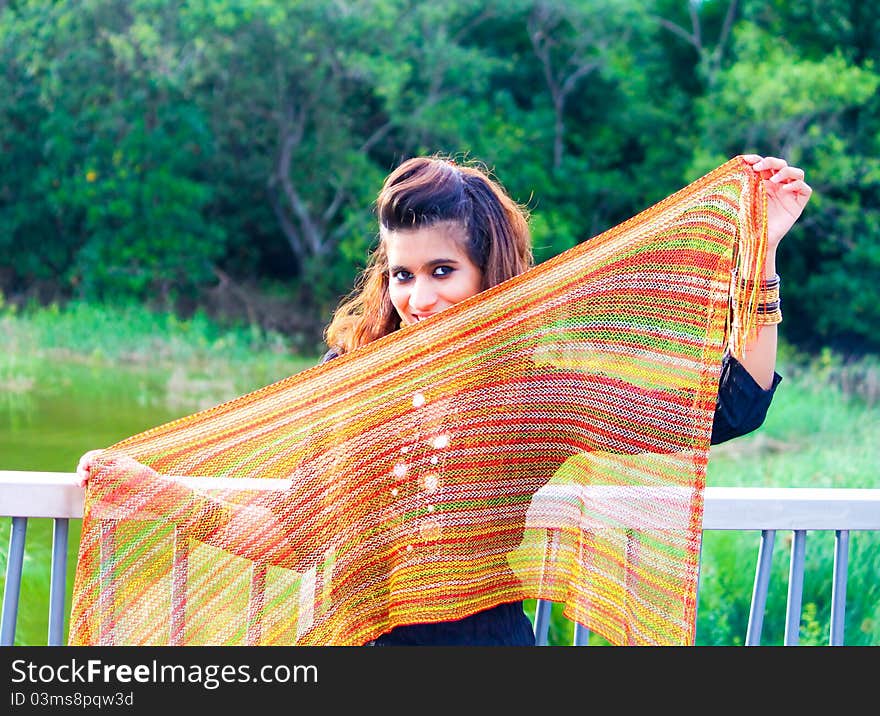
[188,152]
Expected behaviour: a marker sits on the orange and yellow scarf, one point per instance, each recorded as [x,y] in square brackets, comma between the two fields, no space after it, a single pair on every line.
[547,438]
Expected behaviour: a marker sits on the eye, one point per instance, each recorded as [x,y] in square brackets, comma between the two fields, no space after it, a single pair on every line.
[442,271]
[401,276]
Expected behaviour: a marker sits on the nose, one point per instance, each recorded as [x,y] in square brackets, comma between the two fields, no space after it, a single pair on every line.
[423,296]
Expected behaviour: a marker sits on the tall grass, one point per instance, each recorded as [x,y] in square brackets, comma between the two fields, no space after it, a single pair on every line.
[120,335]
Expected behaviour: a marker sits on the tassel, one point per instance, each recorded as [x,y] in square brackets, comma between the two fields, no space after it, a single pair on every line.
[748,262]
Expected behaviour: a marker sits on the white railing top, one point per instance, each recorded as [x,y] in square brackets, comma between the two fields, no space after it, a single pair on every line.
[57,494]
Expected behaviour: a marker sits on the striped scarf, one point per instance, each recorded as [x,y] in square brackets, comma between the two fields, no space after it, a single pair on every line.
[546,438]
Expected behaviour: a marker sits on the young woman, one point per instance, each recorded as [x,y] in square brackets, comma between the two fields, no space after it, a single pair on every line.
[447,232]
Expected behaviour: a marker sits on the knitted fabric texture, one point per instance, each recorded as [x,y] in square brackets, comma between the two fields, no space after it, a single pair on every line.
[547,438]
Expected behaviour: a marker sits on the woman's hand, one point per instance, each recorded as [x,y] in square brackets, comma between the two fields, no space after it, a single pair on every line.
[787,194]
[253,531]
[85,465]
[125,468]
[127,489]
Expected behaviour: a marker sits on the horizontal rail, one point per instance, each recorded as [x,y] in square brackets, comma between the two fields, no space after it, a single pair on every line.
[791,508]
[58,494]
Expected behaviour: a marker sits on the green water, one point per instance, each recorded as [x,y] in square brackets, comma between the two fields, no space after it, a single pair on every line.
[76,408]
[51,412]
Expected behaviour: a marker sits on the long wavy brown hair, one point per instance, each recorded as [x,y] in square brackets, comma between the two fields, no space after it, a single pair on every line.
[421,192]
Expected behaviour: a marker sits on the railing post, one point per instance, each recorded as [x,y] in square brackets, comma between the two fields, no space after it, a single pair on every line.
[256,599]
[838,587]
[542,622]
[107,577]
[697,588]
[759,591]
[581,635]
[795,589]
[13,581]
[179,578]
[58,581]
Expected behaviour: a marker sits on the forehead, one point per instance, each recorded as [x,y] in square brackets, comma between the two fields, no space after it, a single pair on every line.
[410,247]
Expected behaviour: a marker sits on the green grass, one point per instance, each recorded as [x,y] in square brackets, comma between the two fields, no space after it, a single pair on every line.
[817,434]
[822,430]
[135,336]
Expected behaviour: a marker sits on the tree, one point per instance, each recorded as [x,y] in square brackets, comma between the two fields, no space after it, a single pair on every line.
[814,111]
[118,147]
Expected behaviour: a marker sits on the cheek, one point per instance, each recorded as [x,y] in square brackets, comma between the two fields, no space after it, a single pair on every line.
[468,285]
[398,297]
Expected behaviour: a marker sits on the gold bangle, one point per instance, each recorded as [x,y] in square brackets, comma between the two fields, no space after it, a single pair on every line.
[764,283]
[767,294]
[769,314]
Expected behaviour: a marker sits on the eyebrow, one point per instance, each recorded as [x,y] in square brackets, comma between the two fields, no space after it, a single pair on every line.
[431,263]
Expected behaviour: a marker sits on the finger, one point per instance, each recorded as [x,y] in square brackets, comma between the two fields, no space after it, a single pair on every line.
[751,158]
[85,462]
[768,166]
[799,188]
[787,174]
[84,467]
[769,163]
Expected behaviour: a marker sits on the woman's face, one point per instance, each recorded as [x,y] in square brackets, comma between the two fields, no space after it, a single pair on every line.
[429,269]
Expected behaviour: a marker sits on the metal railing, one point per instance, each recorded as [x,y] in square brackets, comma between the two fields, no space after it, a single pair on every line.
[52,495]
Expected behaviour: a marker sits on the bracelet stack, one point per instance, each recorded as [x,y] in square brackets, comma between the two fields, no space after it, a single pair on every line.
[769,311]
